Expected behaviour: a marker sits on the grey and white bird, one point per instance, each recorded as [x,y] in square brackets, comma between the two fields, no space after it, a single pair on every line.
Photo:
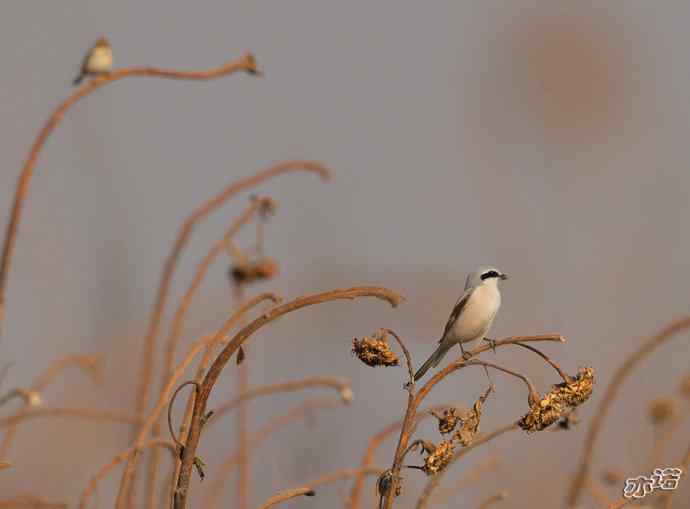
[98,61]
[472,316]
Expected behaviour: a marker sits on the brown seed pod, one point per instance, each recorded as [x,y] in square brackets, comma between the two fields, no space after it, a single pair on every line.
[375,350]
[469,423]
[439,459]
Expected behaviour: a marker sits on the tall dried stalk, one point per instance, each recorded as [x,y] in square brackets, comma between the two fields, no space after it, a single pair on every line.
[245,63]
[610,394]
[189,453]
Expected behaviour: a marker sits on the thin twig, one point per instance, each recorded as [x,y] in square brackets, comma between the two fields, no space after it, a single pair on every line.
[93,483]
[287,495]
[30,502]
[89,414]
[214,489]
[181,491]
[434,481]
[566,378]
[245,63]
[241,417]
[493,499]
[177,326]
[91,365]
[170,406]
[147,425]
[610,394]
[181,240]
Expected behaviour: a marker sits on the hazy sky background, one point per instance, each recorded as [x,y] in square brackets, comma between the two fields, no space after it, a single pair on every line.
[548,140]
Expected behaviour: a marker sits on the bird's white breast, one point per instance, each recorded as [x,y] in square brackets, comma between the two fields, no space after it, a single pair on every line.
[478,314]
[100,60]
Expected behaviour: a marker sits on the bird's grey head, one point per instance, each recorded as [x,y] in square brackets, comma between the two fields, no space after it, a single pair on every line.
[484,275]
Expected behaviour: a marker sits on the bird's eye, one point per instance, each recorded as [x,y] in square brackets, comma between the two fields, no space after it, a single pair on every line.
[487,275]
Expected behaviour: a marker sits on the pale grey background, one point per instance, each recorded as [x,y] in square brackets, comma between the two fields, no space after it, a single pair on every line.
[550,141]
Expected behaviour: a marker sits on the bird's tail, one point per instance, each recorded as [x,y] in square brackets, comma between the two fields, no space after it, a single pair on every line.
[433,360]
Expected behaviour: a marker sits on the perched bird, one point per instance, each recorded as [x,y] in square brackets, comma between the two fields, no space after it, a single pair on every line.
[99,60]
[472,315]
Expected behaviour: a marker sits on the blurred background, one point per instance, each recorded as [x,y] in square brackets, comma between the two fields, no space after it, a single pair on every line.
[546,138]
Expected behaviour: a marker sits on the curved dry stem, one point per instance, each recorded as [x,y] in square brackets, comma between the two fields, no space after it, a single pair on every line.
[214,371]
[610,394]
[181,241]
[434,481]
[287,495]
[93,483]
[488,502]
[476,475]
[245,63]
[533,393]
[90,365]
[170,406]
[30,502]
[566,378]
[213,491]
[89,414]
[147,425]
[374,444]
[408,359]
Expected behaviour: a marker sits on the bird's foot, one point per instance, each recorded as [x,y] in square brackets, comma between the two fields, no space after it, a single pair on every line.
[466,355]
[492,343]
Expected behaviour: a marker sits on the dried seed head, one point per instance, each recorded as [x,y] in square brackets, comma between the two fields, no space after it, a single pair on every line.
[250,272]
[439,458]
[661,410]
[685,386]
[559,401]
[375,350]
[447,421]
[469,423]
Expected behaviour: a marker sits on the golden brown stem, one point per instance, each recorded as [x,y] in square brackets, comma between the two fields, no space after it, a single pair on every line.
[89,414]
[91,365]
[493,499]
[214,371]
[213,491]
[610,394]
[93,483]
[245,63]
[181,240]
[287,495]
[146,427]
[241,438]
[29,502]
[177,326]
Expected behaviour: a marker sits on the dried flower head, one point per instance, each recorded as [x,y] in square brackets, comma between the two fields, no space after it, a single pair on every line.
[375,350]
[447,421]
[661,410]
[439,458]
[253,271]
[469,423]
[559,401]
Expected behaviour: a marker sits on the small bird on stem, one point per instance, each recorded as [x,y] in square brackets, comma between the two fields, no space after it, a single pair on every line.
[98,61]
[472,315]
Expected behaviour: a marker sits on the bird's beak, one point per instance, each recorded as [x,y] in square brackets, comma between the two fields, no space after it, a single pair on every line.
[503,276]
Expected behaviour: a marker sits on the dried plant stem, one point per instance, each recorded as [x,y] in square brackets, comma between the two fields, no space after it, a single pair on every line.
[474,476]
[665,438]
[493,499]
[415,401]
[213,491]
[374,444]
[241,417]
[434,481]
[132,460]
[287,495]
[214,371]
[566,378]
[93,483]
[89,414]
[206,359]
[89,364]
[177,326]
[29,502]
[610,394]
[245,63]
[22,394]
[181,240]
[598,492]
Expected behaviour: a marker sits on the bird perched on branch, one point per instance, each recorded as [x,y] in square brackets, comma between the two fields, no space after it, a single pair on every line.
[99,60]
[472,315]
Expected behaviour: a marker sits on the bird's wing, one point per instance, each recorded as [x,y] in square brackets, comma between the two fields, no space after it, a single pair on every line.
[457,310]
